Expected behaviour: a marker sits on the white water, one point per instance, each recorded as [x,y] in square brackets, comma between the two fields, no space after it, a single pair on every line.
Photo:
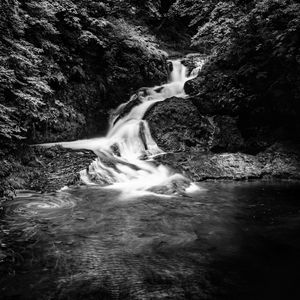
[125,153]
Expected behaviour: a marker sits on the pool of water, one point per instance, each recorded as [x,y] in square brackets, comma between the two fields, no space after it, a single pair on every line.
[231,240]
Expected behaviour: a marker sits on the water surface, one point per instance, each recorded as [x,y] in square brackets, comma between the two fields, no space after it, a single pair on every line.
[228,241]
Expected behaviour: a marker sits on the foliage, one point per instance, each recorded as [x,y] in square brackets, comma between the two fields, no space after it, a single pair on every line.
[48,47]
[254,50]
[68,60]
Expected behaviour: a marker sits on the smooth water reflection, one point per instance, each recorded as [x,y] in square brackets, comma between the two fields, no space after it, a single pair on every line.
[230,241]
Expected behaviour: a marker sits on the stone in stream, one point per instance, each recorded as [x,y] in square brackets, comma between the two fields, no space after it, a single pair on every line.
[177,125]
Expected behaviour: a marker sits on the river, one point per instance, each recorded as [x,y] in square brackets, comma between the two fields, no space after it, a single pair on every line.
[230,240]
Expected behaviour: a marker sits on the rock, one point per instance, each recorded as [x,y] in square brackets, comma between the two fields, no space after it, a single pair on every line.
[57,170]
[225,137]
[281,161]
[3,255]
[202,166]
[206,105]
[176,125]
[125,108]
[176,186]
[170,67]
[193,60]
[199,166]
[191,87]
[213,96]
[77,74]
[115,149]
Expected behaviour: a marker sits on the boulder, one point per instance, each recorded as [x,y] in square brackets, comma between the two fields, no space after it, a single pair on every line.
[275,162]
[193,60]
[176,125]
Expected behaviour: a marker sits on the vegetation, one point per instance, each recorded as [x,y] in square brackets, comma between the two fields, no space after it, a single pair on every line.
[254,66]
[51,48]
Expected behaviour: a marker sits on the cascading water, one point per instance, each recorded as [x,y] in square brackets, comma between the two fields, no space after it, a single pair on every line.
[125,154]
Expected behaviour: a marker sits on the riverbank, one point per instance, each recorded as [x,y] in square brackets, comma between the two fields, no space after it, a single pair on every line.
[277,162]
[43,169]
[50,169]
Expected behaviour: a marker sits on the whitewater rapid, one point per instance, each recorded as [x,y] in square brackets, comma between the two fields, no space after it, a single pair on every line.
[125,154]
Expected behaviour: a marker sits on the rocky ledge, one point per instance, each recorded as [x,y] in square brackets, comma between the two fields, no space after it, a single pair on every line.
[199,166]
[212,147]
[43,169]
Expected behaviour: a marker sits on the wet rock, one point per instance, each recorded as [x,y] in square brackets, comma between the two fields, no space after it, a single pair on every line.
[57,170]
[202,166]
[276,162]
[170,67]
[115,149]
[176,124]
[281,161]
[191,86]
[125,109]
[193,60]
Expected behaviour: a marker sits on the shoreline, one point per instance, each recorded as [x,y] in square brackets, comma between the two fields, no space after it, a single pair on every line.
[52,168]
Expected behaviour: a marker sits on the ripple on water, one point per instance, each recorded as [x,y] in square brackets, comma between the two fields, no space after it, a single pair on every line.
[29,204]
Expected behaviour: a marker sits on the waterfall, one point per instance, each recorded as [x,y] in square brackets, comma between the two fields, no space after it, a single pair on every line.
[125,154]
[179,72]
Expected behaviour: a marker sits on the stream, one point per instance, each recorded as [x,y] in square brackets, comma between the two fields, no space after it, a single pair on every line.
[230,240]
[126,154]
